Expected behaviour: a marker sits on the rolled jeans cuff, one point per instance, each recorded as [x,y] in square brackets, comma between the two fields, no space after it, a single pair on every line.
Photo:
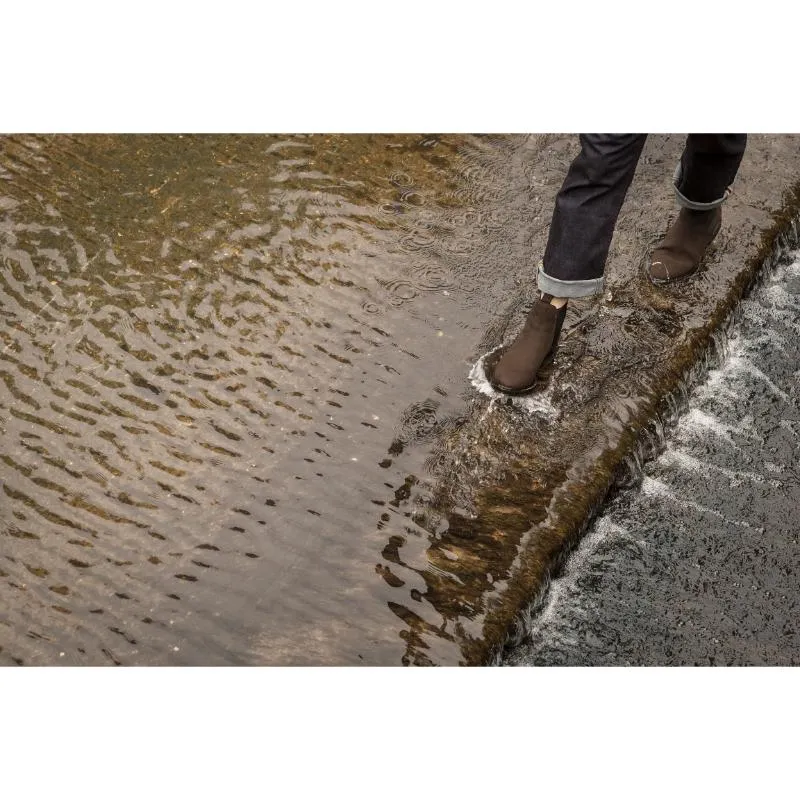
[693,205]
[559,288]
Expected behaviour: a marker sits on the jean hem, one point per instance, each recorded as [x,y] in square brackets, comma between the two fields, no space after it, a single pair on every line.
[693,205]
[560,288]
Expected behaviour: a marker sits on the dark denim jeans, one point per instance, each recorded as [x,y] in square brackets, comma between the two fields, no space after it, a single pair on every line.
[589,202]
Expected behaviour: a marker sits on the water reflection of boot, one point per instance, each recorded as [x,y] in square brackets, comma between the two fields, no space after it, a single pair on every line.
[687,239]
[513,370]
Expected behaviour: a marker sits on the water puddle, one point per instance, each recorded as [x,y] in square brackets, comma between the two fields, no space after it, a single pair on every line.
[225,362]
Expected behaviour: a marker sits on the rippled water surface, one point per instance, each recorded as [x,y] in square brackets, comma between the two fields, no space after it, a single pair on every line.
[242,415]
[227,364]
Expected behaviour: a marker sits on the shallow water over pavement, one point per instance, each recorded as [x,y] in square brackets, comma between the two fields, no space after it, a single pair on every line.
[213,351]
[237,418]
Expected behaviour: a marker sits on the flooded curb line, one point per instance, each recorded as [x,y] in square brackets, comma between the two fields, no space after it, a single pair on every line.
[604,471]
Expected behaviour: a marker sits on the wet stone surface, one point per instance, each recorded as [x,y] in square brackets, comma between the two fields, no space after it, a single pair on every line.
[237,424]
[701,566]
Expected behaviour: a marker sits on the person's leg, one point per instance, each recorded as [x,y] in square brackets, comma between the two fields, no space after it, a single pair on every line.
[702,181]
[585,213]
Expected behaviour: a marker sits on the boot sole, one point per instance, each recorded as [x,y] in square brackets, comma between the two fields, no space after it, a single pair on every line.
[549,358]
[676,279]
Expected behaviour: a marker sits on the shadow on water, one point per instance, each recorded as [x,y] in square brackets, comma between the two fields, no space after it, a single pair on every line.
[237,423]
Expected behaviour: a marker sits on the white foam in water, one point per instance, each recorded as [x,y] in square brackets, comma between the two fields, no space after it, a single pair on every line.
[537,403]
[695,418]
[718,382]
[676,456]
[651,487]
[779,298]
[742,364]
[603,529]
